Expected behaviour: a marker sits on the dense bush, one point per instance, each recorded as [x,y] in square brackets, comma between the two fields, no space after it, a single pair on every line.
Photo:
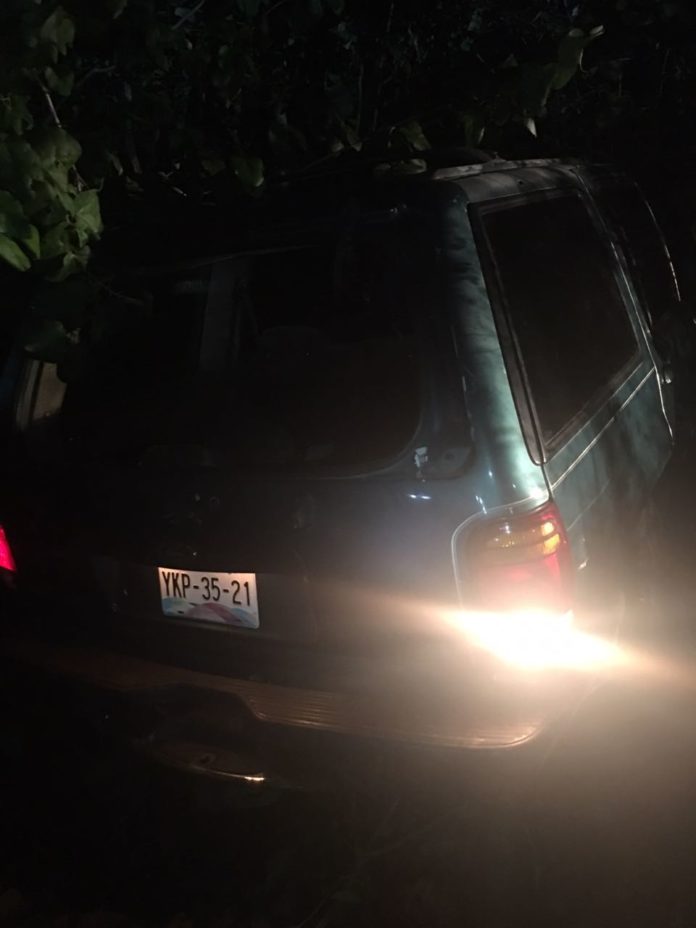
[112,109]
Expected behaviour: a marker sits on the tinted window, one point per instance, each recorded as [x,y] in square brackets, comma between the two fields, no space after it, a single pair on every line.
[644,247]
[556,279]
[300,357]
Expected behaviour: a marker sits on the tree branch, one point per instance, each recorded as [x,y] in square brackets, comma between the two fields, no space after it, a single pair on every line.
[51,106]
[189,14]
[79,182]
[275,6]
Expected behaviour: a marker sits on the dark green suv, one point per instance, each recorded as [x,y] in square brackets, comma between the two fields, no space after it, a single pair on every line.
[379,467]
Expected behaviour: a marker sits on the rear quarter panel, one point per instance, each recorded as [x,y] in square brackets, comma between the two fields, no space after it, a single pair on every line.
[603,474]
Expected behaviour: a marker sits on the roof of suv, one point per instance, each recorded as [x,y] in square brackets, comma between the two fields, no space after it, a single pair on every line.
[306,195]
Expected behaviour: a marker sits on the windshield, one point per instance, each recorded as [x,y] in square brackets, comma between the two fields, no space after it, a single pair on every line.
[301,356]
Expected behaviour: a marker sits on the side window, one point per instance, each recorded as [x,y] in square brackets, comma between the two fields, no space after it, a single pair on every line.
[555,276]
[645,249]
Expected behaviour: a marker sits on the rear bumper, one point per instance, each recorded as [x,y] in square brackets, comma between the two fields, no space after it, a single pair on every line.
[481,722]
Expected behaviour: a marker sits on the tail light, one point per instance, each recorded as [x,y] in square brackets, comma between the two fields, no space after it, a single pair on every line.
[521,563]
[7,561]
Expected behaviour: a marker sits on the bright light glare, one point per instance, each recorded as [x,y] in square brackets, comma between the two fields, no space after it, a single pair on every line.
[535,640]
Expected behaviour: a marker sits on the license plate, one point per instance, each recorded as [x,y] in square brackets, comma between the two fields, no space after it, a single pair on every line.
[228,599]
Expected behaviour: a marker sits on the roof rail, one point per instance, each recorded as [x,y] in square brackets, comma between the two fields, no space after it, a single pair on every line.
[370,162]
[498,164]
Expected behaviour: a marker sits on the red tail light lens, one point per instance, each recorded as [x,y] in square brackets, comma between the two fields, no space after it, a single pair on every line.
[522,562]
[7,561]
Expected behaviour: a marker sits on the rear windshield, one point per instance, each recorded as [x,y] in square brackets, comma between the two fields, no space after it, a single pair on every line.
[558,280]
[301,356]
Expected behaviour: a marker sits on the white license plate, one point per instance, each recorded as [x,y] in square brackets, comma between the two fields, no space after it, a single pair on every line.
[229,599]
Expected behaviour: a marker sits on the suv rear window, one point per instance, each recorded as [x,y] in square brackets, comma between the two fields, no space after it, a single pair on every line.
[295,357]
[555,277]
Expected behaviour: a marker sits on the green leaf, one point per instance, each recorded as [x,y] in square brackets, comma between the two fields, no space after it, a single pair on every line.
[13,221]
[570,51]
[348,136]
[59,31]
[58,179]
[88,213]
[15,225]
[13,254]
[59,82]
[49,203]
[248,170]
[32,241]
[56,241]
[74,262]
[14,114]
[413,135]
[19,165]
[68,149]
[562,76]
[571,47]
[56,146]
